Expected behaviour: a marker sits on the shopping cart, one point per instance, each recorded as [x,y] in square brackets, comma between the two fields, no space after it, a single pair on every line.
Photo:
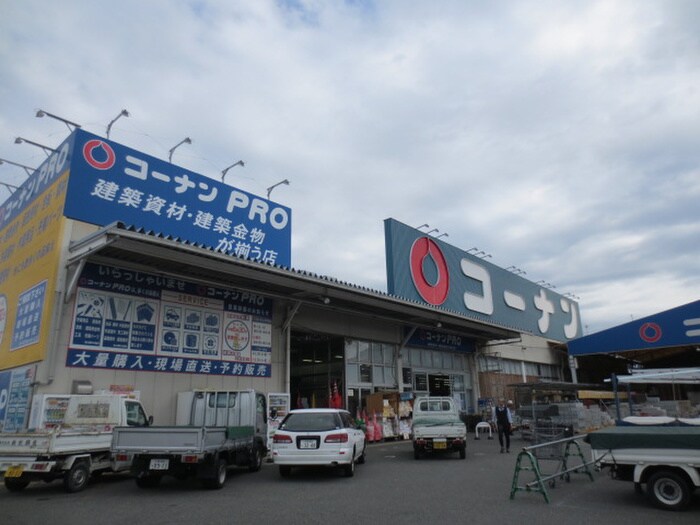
[549,436]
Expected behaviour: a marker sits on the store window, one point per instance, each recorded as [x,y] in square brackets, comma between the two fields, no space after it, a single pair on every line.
[365,373]
[370,366]
[438,372]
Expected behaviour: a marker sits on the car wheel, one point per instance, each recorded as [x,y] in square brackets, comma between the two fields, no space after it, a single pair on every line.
[668,490]
[256,459]
[349,469]
[147,481]
[76,479]
[16,484]
[285,471]
[220,479]
[361,460]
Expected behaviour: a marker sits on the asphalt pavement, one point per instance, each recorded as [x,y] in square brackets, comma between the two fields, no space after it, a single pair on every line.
[391,487]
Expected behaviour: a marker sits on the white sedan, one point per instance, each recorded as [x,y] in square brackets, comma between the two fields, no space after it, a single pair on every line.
[318,437]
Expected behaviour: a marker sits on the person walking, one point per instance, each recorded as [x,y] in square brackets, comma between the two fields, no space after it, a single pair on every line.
[503,419]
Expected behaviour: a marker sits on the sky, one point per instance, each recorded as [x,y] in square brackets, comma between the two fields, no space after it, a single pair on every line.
[558,137]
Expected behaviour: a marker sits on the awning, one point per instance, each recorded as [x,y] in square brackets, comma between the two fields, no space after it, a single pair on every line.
[675,328]
[663,375]
[118,244]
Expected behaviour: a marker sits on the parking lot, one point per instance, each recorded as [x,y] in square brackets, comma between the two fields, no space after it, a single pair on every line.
[391,487]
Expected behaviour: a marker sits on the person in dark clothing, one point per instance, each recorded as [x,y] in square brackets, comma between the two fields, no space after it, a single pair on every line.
[503,419]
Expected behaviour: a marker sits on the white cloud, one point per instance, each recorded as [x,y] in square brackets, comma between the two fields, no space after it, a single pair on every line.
[560,137]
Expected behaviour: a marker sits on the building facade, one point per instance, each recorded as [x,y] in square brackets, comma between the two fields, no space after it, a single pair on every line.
[121,272]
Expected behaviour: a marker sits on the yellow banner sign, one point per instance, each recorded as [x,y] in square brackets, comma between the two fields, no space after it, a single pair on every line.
[30,247]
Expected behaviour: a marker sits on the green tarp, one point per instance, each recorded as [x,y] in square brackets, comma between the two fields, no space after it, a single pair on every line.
[680,437]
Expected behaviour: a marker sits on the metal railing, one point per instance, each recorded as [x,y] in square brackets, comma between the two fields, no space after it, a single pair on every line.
[568,447]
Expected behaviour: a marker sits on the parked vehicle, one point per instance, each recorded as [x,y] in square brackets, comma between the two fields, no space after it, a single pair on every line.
[665,458]
[437,427]
[318,437]
[217,430]
[73,450]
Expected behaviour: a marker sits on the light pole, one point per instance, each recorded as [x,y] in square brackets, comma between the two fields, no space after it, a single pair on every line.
[186,140]
[122,113]
[269,190]
[28,169]
[41,113]
[46,149]
[10,187]
[225,170]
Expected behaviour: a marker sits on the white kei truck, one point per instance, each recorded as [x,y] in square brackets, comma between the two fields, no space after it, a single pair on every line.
[73,450]
[664,458]
[437,427]
[214,430]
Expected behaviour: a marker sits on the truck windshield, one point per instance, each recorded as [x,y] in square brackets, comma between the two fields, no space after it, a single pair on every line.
[318,422]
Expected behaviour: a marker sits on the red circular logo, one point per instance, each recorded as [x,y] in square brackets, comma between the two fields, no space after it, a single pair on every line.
[433,293]
[89,154]
[650,332]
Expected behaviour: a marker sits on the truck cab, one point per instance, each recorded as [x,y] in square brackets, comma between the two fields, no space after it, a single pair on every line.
[75,448]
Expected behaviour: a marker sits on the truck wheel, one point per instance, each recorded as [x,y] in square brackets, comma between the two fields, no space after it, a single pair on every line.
[255,459]
[16,484]
[668,490]
[285,471]
[462,452]
[76,479]
[220,480]
[416,453]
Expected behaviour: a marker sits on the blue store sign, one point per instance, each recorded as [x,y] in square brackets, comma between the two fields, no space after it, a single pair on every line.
[110,182]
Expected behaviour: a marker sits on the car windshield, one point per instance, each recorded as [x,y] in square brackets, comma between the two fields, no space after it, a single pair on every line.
[312,422]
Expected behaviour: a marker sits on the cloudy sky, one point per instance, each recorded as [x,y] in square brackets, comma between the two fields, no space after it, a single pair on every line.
[561,137]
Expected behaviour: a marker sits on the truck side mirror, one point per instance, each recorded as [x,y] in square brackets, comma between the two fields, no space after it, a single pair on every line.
[150,421]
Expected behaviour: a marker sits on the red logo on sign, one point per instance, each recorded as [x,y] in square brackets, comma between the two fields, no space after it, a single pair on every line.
[422,250]
[89,149]
[650,332]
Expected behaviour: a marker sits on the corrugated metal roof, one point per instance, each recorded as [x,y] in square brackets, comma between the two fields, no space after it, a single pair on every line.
[149,249]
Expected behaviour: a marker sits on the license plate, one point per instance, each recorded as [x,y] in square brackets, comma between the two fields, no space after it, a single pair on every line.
[14,471]
[307,443]
[439,444]
[159,464]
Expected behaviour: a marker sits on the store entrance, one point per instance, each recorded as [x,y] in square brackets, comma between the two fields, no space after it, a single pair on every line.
[316,369]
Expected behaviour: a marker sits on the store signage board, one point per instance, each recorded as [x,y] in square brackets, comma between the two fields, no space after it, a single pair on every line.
[131,320]
[31,225]
[110,182]
[15,396]
[436,340]
[427,270]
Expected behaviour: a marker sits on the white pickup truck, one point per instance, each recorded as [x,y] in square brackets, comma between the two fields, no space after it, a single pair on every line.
[665,458]
[73,451]
[437,427]
[215,430]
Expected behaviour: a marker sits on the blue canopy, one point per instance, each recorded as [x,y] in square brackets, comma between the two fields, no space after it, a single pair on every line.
[676,327]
